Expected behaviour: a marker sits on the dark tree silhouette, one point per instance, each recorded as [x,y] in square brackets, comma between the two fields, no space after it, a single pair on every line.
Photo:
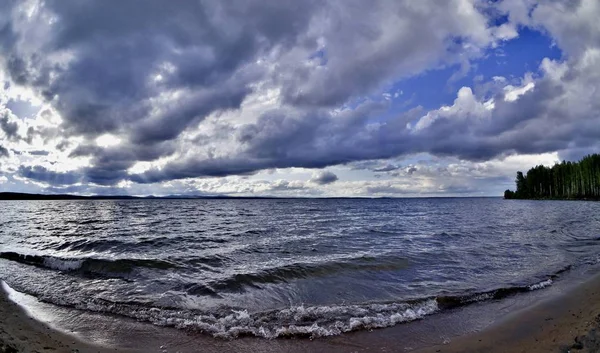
[567,180]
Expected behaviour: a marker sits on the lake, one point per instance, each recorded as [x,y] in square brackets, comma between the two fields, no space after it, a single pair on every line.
[290,267]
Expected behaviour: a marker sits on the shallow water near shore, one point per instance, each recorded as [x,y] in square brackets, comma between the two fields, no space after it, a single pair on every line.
[290,268]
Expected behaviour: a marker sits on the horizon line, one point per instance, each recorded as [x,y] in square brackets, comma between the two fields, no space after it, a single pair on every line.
[9,195]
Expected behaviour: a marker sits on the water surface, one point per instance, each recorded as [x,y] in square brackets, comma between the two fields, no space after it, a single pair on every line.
[273,268]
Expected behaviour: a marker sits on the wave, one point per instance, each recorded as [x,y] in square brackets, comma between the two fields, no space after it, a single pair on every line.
[293,322]
[90,245]
[99,245]
[291,272]
[451,302]
[298,321]
[87,266]
[541,285]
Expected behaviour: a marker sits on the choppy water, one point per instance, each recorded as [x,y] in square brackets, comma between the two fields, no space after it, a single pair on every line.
[277,268]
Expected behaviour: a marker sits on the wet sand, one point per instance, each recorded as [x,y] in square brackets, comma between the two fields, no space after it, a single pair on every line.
[569,322]
[21,333]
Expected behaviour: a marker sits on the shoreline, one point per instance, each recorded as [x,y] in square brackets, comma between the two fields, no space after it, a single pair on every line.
[569,321]
[21,333]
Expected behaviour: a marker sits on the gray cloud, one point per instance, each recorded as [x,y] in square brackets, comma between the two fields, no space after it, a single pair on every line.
[10,128]
[146,72]
[386,168]
[151,75]
[379,44]
[318,139]
[110,164]
[3,151]
[324,177]
[42,174]
[284,185]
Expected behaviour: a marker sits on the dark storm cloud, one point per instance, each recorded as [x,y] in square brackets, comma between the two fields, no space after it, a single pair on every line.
[192,168]
[149,72]
[537,122]
[44,175]
[3,152]
[109,165]
[10,125]
[10,128]
[170,125]
[576,154]
[118,50]
[315,140]
[63,145]
[283,139]
[324,178]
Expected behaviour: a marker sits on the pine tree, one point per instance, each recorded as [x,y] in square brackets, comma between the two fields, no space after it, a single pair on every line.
[567,180]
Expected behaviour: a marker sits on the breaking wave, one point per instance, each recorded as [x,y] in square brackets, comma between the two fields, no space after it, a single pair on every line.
[233,322]
[293,322]
[87,266]
[291,272]
[297,321]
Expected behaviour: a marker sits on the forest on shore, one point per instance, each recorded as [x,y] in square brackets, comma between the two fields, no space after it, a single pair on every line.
[566,180]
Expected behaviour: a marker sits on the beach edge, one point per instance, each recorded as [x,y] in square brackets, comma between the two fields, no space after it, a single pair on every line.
[569,321]
[21,333]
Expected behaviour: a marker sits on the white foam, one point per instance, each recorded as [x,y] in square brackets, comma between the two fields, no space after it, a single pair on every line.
[480,297]
[541,285]
[311,321]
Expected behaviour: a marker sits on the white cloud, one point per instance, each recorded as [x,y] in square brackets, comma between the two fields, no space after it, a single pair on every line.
[300,84]
[512,93]
[466,106]
[107,140]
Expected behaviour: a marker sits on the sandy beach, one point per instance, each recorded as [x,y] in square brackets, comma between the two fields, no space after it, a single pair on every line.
[21,333]
[569,322]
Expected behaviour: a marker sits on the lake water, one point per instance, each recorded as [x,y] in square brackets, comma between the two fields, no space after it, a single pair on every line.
[290,267]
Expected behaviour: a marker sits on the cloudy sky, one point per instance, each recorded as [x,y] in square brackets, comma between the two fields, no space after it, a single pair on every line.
[397,98]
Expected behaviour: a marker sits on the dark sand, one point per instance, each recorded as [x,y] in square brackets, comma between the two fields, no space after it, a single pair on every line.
[569,322]
[20,333]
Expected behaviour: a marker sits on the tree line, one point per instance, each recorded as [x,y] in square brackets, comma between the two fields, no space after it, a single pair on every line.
[566,180]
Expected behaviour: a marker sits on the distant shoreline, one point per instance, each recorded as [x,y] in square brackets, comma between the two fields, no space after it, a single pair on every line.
[7,196]
[26,196]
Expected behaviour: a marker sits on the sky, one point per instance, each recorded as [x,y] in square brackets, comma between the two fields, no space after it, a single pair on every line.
[345,98]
